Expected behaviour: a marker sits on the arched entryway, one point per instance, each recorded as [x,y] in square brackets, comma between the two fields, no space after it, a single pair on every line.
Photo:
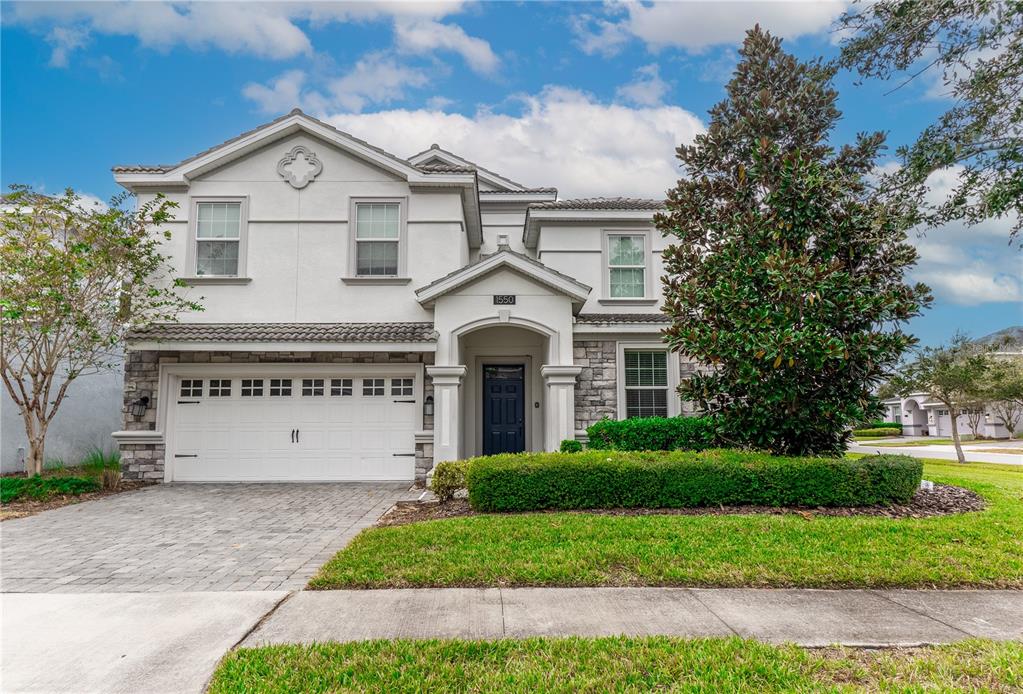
[914,420]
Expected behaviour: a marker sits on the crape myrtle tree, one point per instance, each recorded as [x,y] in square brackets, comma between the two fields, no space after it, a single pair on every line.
[73,279]
[952,374]
[787,272]
[1003,389]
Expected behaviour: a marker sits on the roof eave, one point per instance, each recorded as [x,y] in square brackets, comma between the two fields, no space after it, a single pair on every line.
[535,219]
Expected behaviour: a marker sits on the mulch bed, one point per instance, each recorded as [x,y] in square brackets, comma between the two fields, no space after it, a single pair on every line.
[30,507]
[943,500]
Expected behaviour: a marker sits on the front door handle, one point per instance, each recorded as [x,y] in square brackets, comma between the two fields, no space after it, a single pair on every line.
[293,436]
[298,432]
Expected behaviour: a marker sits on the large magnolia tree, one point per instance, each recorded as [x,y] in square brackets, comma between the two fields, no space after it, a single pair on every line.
[73,279]
[786,272]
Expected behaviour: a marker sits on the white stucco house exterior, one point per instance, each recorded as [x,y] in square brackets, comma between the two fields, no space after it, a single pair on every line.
[921,415]
[367,316]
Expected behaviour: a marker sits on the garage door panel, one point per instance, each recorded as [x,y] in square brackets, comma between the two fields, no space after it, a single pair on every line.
[246,435]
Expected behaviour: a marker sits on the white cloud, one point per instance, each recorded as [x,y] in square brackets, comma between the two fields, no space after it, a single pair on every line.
[561,137]
[263,29]
[439,103]
[647,89]
[376,78]
[966,265]
[64,41]
[695,26]
[419,36]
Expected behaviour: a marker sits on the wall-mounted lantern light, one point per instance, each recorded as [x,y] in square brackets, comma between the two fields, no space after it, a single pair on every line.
[139,406]
[428,406]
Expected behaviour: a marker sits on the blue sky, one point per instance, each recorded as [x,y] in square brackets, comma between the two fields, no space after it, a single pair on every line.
[589,97]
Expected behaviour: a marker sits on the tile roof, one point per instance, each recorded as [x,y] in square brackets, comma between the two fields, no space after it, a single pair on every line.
[622,318]
[444,168]
[485,257]
[286,332]
[437,148]
[164,168]
[600,204]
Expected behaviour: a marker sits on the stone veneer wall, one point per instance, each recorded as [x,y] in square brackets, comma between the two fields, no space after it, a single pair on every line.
[142,374]
[596,390]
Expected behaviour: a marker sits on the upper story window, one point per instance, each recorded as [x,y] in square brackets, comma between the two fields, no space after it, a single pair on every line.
[218,237]
[378,238]
[626,269]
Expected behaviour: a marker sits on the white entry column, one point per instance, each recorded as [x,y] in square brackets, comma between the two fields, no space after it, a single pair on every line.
[560,403]
[447,419]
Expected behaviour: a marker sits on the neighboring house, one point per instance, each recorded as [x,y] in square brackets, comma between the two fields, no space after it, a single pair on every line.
[89,412]
[921,415]
[368,316]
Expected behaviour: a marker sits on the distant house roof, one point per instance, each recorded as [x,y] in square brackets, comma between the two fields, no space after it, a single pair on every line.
[600,204]
[285,332]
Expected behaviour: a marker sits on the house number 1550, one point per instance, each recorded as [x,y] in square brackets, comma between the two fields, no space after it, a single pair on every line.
[504,299]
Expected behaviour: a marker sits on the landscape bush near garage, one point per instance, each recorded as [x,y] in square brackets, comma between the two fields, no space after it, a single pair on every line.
[883,432]
[679,479]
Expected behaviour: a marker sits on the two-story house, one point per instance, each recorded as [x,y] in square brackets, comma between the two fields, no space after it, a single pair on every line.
[367,316]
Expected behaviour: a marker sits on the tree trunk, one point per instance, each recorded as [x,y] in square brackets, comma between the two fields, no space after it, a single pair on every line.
[36,452]
[955,434]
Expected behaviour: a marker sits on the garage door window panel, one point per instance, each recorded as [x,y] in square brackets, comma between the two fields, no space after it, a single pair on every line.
[280,387]
[402,387]
[252,387]
[373,387]
[340,387]
[220,387]
[312,387]
[191,388]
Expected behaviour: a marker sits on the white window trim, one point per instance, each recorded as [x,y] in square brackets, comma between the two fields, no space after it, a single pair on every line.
[674,402]
[402,277]
[191,254]
[605,267]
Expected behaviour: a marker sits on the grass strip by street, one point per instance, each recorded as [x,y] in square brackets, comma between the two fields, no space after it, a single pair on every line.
[982,549]
[615,665]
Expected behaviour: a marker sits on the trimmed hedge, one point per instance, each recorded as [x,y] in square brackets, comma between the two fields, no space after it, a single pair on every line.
[881,431]
[679,479]
[652,434]
[879,425]
[571,446]
[42,488]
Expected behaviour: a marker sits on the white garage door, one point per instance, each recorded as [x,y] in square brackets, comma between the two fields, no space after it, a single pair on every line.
[293,428]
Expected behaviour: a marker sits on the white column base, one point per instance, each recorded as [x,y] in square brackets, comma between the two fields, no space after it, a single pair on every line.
[560,404]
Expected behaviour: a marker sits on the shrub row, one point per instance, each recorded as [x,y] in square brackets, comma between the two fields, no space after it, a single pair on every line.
[879,425]
[652,434]
[679,479]
[42,488]
[881,431]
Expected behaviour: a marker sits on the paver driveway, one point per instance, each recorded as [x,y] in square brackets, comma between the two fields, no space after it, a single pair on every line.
[190,537]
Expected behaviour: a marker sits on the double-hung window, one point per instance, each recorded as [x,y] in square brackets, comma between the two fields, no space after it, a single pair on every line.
[646,383]
[377,238]
[626,266]
[218,237]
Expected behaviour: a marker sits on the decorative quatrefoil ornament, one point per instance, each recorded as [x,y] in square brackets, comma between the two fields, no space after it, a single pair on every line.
[299,167]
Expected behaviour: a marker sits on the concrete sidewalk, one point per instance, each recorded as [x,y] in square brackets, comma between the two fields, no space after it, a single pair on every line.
[805,617]
[939,452]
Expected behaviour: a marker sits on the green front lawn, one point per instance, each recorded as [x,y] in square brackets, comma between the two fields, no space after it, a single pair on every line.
[614,664]
[583,549]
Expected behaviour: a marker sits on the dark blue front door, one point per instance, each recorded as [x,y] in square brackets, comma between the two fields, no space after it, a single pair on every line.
[504,409]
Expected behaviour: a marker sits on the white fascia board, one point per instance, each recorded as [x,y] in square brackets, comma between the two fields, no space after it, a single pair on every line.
[184,346]
[536,218]
[516,198]
[577,291]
